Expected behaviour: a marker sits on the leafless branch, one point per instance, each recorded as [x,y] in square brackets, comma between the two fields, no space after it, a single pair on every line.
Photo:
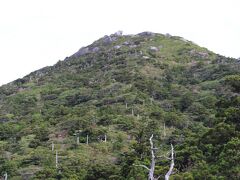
[140,165]
[164,157]
[152,167]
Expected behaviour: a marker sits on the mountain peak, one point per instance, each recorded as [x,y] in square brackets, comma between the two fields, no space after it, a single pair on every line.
[99,107]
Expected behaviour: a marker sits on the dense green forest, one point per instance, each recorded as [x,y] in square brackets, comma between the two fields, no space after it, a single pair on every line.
[97,109]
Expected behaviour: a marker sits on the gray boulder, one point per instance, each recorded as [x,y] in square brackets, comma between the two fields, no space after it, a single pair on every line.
[118,33]
[107,39]
[82,51]
[153,48]
[133,46]
[199,54]
[95,49]
[146,33]
[126,43]
[117,47]
[168,35]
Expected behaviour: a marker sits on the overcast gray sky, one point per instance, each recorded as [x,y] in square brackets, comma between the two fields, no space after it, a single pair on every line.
[37,33]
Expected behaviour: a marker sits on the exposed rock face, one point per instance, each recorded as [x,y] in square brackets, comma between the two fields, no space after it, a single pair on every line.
[107,40]
[81,52]
[168,35]
[147,33]
[113,37]
[85,50]
[199,54]
[118,33]
[95,49]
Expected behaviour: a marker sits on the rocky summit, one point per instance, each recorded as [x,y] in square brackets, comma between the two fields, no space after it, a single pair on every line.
[91,115]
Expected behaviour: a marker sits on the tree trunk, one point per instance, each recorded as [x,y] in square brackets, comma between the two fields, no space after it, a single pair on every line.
[52,146]
[138,117]
[5,176]
[78,140]
[164,130]
[56,159]
[152,168]
[171,165]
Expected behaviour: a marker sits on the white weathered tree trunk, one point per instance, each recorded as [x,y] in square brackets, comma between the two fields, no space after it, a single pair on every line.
[5,176]
[153,162]
[52,146]
[132,112]
[56,159]
[170,171]
[152,168]
[164,129]
[87,139]
[78,140]
[138,116]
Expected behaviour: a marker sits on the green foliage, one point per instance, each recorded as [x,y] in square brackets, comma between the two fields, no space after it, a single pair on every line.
[229,158]
[9,166]
[234,82]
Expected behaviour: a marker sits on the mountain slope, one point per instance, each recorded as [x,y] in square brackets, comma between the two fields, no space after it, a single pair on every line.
[122,88]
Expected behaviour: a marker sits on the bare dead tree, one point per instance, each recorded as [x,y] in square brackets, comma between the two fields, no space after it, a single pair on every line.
[170,171]
[78,141]
[5,176]
[152,168]
[56,159]
[164,129]
[153,162]
[77,133]
[52,146]
[87,139]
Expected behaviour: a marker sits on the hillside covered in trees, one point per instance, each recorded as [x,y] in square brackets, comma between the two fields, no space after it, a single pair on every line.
[91,115]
